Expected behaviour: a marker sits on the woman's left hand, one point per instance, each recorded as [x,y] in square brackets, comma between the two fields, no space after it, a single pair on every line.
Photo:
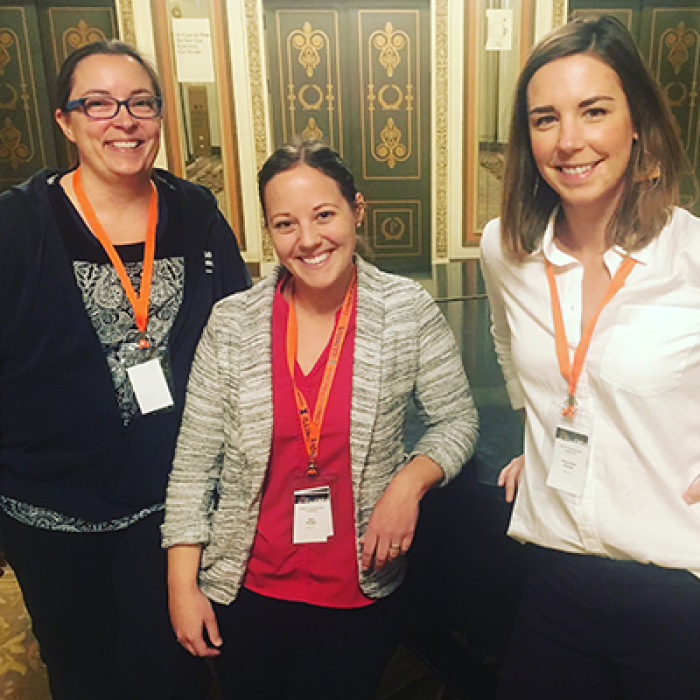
[393,520]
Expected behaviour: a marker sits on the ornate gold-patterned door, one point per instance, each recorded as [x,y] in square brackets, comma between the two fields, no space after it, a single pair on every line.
[35,37]
[356,74]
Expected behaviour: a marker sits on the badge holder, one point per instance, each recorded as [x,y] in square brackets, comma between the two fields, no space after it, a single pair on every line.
[312,510]
[150,374]
[569,459]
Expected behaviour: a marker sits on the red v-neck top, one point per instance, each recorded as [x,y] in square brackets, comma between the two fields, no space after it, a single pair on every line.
[320,573]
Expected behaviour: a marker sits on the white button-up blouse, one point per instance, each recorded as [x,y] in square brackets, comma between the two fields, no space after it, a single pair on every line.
[640,385]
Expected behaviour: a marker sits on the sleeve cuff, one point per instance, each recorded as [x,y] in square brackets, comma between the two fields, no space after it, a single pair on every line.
[515,394]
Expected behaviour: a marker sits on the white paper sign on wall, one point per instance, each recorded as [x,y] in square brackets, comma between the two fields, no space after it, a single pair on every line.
[193,55]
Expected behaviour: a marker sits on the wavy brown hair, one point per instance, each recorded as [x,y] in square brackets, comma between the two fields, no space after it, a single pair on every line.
[657,161]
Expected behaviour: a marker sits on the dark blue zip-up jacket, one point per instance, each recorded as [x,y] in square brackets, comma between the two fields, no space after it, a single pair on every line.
[63,444]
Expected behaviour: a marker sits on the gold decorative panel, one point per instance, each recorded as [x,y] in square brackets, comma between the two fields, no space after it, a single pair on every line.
[73,27]
[394,226]
[128,23]
[359,79]
[22,148]
[306,44]
[390,89]
[441,74]
[675,61]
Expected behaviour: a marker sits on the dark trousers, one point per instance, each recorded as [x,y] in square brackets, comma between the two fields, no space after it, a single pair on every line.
[591,628]
[293,651]
[98,604]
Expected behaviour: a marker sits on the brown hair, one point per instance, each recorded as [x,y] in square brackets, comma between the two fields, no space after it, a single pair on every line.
[652,178]
[64,81]
[315,154]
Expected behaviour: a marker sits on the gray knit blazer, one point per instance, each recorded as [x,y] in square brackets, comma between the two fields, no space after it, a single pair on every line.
[403,348]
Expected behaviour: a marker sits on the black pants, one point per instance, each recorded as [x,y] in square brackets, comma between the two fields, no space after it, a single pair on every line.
[293,651]
[591,628]
[98,604]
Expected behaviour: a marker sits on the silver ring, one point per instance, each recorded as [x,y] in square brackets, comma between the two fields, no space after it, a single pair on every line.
[394,546]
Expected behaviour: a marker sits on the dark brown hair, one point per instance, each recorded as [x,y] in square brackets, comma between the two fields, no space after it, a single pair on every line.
[315,154]
[652,178]
[64,81]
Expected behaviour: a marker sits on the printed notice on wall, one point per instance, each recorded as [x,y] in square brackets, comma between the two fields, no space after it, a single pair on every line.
[193,57]
[499,30]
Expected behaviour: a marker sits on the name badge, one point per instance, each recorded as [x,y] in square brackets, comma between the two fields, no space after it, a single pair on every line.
[569,463]
[150,386]
[313,520]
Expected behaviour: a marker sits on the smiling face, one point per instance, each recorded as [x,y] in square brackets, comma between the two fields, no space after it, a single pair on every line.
[114,148]
[581,131]
[313,229]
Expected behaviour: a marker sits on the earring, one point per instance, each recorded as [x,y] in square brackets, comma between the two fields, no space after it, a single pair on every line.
[536,188]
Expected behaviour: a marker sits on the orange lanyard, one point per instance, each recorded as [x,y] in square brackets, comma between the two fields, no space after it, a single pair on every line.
[311,426]
[139,303]
[572,374]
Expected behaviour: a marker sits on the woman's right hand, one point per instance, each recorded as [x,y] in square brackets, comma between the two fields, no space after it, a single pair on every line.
[191,614]
[511,476]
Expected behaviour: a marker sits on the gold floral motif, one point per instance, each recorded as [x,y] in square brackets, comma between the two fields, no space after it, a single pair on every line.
[6,41]
[390,145]
[308,42]
[391,150]
[312,131]
[679,40]
[83,34]
[389,43]
[12,150]
[312,49]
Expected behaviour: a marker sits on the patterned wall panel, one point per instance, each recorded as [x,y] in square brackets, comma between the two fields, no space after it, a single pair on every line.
[22,145]
[353,73]
[390,65]
[394,226]
[73,27]
[309,74]
[675,61]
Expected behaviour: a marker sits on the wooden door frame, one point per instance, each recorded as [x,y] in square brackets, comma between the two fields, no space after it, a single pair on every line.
[173,119]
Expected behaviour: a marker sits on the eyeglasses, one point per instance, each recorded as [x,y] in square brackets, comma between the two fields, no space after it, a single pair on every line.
[106,107]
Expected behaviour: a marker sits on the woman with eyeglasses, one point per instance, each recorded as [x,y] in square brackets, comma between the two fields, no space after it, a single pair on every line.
[107,276]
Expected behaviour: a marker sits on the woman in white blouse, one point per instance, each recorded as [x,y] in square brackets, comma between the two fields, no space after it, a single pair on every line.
[594,282]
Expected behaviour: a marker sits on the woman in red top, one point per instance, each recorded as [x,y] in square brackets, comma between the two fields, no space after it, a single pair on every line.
[294,430]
